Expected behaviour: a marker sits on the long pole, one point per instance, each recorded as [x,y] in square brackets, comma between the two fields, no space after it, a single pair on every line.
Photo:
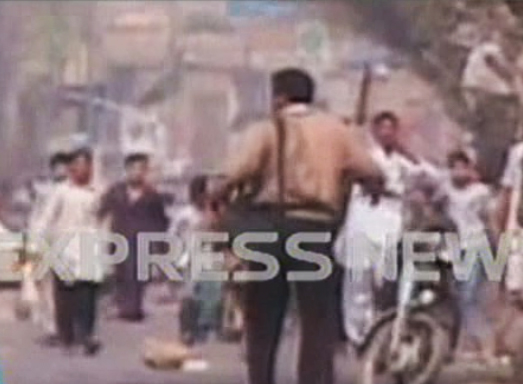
[364,96]
[89,39]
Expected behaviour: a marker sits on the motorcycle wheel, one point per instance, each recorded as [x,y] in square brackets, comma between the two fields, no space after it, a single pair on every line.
[433,344]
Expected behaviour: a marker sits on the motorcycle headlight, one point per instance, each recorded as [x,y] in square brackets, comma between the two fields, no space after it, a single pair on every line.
[427,297]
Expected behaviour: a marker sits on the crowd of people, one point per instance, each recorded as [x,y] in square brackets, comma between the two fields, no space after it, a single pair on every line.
[73,205]
[308,166]
[301,170]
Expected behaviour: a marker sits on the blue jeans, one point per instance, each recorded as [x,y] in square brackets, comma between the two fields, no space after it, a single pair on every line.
[475,322]
[200,313]
[208,295]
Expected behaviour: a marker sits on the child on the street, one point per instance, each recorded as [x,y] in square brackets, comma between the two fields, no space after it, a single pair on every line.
[201,300]
[467,200]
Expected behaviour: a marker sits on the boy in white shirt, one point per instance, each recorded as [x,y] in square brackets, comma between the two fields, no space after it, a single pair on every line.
[467,201]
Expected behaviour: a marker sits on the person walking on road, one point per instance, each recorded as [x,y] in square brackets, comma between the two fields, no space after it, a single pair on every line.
[467,201]
[58,166]
[133,206]
[297,167]
[71,211]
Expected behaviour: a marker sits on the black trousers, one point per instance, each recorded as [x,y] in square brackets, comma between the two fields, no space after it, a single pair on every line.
[495,123]
[129,292]
[75,310]
[318,306]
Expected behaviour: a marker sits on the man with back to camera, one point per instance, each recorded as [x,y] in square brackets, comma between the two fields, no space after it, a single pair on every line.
[319,152]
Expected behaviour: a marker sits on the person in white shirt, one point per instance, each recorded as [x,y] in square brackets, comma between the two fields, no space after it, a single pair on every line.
[372,227]
[509,213]
[71,209]
[201,299]
[467,201]
[58,165]
[509,220]
[491,83]
[489,69]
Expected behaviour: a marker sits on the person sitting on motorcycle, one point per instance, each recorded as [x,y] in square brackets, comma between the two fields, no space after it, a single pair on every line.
[425,212]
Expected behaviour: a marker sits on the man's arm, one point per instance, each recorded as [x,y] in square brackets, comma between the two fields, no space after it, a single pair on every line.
[161,214]
[505,72]
[361,166]
[505,197]
[104,204]
[484,205]
[509,182]
[247,159]
[421,168]
[408,154]
[360,163]
[36,213]
[48,215]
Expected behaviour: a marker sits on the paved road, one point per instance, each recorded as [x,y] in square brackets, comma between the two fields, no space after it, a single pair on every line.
[25,362]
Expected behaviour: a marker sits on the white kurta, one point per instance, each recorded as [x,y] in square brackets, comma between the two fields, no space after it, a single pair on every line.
[512,177]
[382,223]
[367,233]
[71,211]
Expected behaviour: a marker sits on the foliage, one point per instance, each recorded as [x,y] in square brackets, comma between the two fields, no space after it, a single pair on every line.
[423,30]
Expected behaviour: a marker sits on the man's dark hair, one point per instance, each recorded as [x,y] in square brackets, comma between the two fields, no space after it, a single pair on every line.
[197,188]
[458,157]
[386,116]
[294,84]
[136,158]
[84,152]
[59,158]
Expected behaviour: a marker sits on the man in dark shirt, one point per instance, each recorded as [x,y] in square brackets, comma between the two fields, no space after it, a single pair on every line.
[133,206]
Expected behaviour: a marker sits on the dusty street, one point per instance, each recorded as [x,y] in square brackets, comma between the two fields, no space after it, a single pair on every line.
[25,362]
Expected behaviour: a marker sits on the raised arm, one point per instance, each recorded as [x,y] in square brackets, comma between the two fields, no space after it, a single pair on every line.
[509,194]
[360,164]
[361,167]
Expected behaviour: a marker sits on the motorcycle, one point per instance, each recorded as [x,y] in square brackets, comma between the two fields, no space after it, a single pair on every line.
[416,332]
[409,343]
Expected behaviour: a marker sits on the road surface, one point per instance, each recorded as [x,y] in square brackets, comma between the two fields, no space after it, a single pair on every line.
[25,362]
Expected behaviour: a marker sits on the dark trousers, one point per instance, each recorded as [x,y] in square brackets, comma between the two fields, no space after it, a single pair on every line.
[318,307]
[189,320]
[494,123]
[75,310]
[129,291]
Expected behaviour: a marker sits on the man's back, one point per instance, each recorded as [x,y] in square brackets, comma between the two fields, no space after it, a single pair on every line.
[320,151]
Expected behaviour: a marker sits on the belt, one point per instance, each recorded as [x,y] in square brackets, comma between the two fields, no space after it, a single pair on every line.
[313,207]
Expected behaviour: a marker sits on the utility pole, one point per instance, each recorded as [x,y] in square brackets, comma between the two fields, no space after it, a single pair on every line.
[89,39]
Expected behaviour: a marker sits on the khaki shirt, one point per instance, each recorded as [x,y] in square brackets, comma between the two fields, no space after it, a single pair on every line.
[320,153]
